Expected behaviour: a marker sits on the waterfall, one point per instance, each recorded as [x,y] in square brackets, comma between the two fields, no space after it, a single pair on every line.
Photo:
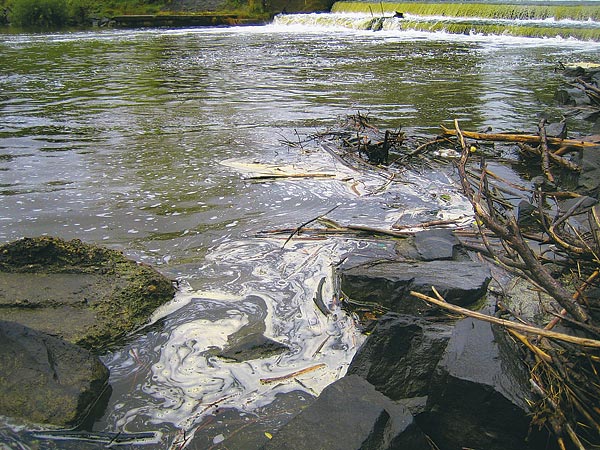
[563,20]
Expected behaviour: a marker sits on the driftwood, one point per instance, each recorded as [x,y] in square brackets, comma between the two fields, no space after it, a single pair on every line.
[525,138]
[509,232]
[298,229]
[292,375]
[563,367]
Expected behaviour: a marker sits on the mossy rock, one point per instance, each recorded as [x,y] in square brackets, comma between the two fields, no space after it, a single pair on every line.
[88,295]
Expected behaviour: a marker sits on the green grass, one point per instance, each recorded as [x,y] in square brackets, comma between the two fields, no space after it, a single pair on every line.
[484,10]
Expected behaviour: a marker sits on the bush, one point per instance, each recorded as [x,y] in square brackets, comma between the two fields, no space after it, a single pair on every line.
[80,11]
[40,13]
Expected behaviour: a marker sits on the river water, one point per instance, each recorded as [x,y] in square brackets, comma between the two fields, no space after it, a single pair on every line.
[143,141]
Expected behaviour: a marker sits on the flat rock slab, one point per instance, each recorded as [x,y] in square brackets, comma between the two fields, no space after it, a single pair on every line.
[47,380]
[389,283]
[436,244]
[38,290]
[350,415]
[85,294]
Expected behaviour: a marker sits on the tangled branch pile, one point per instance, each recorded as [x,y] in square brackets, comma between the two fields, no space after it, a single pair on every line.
[564,375]
[549,236]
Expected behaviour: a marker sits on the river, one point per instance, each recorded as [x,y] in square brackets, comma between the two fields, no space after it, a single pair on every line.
[143,140]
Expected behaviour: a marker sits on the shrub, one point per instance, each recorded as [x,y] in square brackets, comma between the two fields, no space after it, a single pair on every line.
[80,11]
[41,13]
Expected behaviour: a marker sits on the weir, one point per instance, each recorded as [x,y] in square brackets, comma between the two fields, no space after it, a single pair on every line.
[566,21]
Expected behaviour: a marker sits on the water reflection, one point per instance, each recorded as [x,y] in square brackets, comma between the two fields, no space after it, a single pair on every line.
[127,137]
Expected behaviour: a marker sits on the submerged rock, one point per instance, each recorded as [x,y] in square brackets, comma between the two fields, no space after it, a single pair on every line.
[249,342]
[439,244]
[588,182]
[46,380]
[350,415]
[389,283]
[251,346]
[86,294]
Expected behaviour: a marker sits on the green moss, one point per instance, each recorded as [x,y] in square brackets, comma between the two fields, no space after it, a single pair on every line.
[585,34]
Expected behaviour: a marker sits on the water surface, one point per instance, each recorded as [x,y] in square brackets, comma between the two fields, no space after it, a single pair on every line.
[141,140]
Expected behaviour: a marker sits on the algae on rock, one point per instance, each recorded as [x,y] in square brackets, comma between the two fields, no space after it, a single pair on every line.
[86,294]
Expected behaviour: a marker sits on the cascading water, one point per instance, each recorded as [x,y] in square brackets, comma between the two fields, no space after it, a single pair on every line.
[564,21]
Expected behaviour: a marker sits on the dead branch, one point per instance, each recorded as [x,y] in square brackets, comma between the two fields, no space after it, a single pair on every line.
[509,232]
[554,156]
[292,375]
[297,230]
[545,151]
[507,323]
[527,138]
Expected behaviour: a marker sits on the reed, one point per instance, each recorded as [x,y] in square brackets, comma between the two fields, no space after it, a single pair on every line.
[484,10]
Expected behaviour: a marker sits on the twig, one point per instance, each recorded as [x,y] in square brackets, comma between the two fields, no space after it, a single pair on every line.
[531,139]
[432,223]
[293,374]
[507,323]
[291,175]
[297,230]
[545,151]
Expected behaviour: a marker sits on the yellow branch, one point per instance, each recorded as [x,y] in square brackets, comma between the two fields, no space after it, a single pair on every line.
[507,323]
[528,138]
[291,375]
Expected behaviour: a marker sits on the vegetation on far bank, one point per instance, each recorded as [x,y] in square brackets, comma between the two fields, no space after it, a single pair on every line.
[62,13]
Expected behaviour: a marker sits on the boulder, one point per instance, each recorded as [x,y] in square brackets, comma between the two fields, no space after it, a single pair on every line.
[350,415]
[47,380]
[589,178]
[477,393]
[389,283]
[438,244]
[400,356]
[86,294]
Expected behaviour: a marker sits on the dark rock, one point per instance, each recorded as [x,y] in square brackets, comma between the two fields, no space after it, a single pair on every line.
[46,380]
[436,244]
[571,97]
[399,357]
[251,346]
[527,214]
[389,283]
[265,420]
[249,342]
[589,178]
[557,129]
[350,414]
[86,294]
[477,393]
